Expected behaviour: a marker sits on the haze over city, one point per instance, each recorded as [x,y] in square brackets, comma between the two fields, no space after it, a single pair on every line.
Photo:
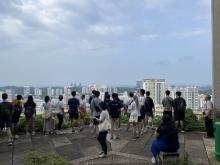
[104,41]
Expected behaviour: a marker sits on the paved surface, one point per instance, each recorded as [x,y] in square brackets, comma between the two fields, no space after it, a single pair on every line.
[82,149]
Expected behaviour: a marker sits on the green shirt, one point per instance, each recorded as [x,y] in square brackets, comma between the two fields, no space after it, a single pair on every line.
[167,103]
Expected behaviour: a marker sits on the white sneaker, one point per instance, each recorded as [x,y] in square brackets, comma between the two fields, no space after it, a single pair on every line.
[59,132]
[9,142]
[16,136]
[101,152]
[145,130]
[102,155]
[33,133]
[153,160]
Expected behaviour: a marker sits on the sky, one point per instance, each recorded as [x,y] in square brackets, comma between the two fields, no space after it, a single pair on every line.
[113,42]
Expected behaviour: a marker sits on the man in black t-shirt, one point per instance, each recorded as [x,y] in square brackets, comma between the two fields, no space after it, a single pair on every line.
[179,106]
[149,105]
[114,111]
[6,111]
[73,104]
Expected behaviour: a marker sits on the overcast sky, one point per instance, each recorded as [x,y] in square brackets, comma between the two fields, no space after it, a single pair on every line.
[114,42]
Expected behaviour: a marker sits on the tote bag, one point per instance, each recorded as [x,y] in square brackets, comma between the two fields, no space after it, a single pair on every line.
[104,126]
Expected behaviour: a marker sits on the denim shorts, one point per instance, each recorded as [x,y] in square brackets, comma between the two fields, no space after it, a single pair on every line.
[5,122]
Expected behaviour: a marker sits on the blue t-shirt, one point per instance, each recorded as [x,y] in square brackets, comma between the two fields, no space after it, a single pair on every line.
[73,104]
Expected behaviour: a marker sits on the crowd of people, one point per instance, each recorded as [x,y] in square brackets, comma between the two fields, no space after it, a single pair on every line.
[105,117]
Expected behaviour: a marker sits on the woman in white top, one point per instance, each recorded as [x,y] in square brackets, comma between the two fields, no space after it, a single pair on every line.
[48,121]
[135,114]
[103,133]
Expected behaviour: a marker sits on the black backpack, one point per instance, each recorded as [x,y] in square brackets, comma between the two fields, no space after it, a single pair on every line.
[29,111]
[18,108]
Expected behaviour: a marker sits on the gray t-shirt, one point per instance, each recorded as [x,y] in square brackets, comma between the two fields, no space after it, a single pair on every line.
[95,103]
[167,103]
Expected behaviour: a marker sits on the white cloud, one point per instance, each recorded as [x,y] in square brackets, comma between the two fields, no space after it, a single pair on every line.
[191,33]
[107,29]
[158,4]
[146,37]
[12,26]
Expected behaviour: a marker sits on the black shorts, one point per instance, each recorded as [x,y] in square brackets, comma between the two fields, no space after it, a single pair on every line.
[179,116]
[150,114]
[169,113]
[74,115]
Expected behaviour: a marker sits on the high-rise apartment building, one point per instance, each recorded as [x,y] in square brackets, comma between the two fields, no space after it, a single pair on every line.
[27,91]
[191,95]
[156,88]
[38,92]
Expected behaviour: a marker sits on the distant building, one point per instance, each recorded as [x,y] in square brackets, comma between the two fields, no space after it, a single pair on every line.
[27,91]
[190,94]
[156,88]
[139,84]
[38,92]
[11,94]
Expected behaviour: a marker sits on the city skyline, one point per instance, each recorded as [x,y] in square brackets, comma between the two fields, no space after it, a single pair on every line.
[105,42]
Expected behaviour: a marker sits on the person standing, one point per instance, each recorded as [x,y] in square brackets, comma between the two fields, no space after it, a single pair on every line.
[150,109]
[73,104]
[128,108]
[103,133]
[6,111]
[18,108]
[82,111]
[142,111]
[134,116]
[114,111]
[208,114]
[60,114]
[48,114]
[167,105]
[179,107]
[30,115]
[96,109]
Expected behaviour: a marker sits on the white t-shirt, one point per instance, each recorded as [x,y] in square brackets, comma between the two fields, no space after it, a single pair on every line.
[141,100]
[128,103]
[60,107]
[83,103]
[104,115]
[47,110]
[208,106]
[135,108]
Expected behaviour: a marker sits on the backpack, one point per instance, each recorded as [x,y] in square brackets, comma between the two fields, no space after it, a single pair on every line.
[29,111]
[18,108]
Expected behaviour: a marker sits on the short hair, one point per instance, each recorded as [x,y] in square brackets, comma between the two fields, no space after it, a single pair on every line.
[73,93]
[97,93]
[114,95]
[19,97]
[148,93]
[131,94]
[30,98]
[208,97]
[167,92]
[142,91]
[60,97]
[107,96]
[93,91]
[47,99]
[83,96]
[4,96]
[178,93]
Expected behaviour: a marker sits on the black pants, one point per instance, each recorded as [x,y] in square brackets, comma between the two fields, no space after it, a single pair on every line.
[168,113]
[60,119]
[209,127]
[102,140]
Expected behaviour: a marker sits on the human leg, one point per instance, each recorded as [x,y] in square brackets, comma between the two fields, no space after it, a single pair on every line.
[102,140]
